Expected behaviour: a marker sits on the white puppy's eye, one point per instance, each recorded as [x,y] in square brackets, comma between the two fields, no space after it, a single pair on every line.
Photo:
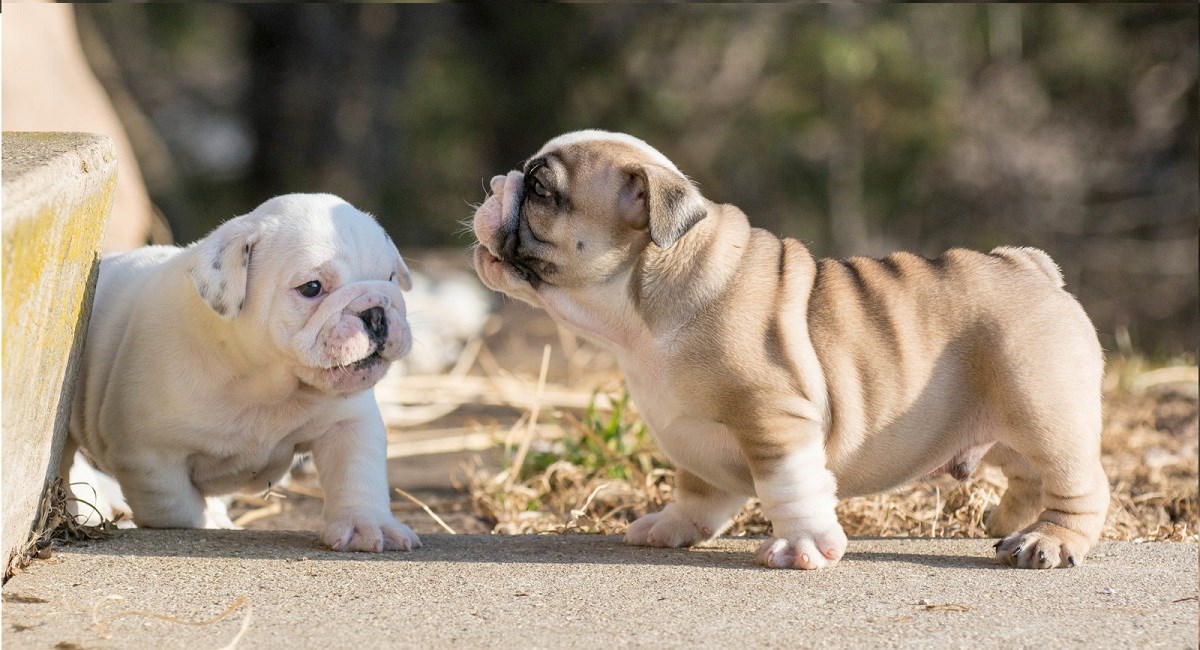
[540,189]
[393,277]
[310,289]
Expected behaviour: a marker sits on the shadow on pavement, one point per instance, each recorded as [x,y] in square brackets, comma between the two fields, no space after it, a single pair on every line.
[730,553]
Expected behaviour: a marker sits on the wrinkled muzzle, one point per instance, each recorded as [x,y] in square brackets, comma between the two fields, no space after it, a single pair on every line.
[497,227]
[356,325]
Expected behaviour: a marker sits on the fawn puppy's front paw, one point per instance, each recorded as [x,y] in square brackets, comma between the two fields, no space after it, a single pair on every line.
[804,546]
[669,528]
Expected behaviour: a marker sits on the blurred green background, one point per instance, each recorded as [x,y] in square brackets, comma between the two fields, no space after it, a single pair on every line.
[858,129]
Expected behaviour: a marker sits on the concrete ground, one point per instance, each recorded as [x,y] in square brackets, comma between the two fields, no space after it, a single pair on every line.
[588,591]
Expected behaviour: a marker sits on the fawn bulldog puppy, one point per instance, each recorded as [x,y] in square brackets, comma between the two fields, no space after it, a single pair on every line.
[208,368]
[765,372]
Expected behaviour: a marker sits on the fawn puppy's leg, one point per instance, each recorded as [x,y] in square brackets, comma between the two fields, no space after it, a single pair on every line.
[700,512]
[1022,500]
[1054,424]
[798,493]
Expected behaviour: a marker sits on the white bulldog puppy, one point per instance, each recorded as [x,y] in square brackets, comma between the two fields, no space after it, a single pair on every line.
[208,368]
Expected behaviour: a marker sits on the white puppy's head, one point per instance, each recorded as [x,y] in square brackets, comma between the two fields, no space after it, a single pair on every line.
[308,281]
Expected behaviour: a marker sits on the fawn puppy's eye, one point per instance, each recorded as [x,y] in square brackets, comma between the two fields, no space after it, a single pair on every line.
[540,189]
[310,289]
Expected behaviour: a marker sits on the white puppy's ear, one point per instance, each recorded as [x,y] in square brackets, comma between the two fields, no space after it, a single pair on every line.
[662,200]
[403,276]
[220,266]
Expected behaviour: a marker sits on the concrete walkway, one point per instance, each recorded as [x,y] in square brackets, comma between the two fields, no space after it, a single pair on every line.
[577,591]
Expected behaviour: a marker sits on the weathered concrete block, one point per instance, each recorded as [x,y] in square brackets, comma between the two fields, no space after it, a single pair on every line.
[58,188]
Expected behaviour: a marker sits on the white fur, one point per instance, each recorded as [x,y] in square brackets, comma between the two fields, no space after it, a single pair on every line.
[181,401]
[799,487]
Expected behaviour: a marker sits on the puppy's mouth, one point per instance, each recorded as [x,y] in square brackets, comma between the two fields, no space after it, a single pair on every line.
[506,244]
[365,362]
[521,265]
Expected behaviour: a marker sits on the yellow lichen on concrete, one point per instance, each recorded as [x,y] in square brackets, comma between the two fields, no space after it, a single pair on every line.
[58,189]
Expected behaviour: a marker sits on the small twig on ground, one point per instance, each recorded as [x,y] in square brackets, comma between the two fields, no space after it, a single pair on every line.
[942,607]
[467,358]
[101,624]
[490,366]
[570,346]
[400,412]
[427,510]
[442,441]
[531,424]
[937,510]
[303,490]
[237,638]
[270,510]
[582,510]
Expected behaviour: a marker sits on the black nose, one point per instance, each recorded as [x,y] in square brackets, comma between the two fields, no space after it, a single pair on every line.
[375,322]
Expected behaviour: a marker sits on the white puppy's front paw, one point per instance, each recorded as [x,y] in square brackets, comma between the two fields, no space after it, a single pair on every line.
[369,533]
[804,547]
[669,528]
[216,515]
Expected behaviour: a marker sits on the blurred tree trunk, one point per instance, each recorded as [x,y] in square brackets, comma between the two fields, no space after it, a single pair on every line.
[49,86]
[847,225]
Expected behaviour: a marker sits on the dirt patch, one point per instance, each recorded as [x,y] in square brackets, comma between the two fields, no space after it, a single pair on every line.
[1149,453]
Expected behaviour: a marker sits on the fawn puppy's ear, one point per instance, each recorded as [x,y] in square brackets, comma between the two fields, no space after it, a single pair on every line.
[661,200]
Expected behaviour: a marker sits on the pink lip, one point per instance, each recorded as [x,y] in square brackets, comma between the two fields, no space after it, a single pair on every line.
[499,210]
[490,268]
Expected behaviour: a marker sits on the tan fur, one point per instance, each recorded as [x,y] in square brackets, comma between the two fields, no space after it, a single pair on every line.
[765,372]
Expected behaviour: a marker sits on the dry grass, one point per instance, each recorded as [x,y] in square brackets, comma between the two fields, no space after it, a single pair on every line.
[55,525]
[604,472]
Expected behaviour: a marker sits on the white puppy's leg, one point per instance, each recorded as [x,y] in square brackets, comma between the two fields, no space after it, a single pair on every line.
[700,512]
[351,461]
[87,502]
[66,467]
[798,495]
[161,494]
[216,514]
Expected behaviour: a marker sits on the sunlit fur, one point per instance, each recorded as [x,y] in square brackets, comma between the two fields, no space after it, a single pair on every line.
[765,372]
[205,371]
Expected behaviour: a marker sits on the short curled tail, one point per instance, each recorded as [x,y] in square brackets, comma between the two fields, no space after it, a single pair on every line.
[1031,259]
